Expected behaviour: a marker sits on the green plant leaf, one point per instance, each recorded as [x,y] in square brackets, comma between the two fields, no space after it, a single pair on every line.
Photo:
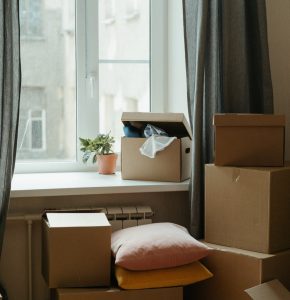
[102,144]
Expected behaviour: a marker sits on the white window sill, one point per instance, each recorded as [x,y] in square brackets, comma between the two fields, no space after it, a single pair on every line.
[85,183]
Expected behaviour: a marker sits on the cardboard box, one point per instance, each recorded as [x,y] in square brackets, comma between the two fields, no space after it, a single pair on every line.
[236,270]
[249,140]
[76,249]
[175,293]
[272,290]
[248,208]
[171,164]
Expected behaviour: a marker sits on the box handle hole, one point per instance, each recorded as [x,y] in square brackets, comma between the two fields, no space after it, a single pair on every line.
[187,150]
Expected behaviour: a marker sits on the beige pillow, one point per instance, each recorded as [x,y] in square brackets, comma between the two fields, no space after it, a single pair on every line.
[155,246]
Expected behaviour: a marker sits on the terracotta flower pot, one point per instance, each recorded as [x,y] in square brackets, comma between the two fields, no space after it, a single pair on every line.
[107,163]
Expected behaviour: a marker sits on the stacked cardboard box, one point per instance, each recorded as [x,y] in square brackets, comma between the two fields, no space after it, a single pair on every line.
[76,259]
[174,293]
[247,207]
[76,249]
[249,140]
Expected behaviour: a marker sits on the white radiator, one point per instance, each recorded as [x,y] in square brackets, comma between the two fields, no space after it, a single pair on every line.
[128,216]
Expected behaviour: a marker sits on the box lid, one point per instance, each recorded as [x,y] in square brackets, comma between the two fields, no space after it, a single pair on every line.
[76,219]
[248,120]
[272,290]
[237,169]
[175,124]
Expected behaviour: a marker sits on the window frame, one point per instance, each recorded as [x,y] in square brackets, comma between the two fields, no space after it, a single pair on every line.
[87,65]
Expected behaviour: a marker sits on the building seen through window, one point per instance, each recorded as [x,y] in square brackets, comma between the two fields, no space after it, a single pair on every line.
[48,109]
[48,96]
[124,62]
[31,18]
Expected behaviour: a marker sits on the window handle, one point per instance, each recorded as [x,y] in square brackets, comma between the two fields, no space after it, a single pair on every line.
[92,85]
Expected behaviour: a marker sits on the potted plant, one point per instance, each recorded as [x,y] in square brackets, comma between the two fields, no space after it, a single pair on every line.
[101,149]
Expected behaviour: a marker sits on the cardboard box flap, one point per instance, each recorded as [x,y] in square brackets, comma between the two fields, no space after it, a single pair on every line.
[175,124]
[248,120]
[236,169]
[272,290]
[238,251]
[77,219]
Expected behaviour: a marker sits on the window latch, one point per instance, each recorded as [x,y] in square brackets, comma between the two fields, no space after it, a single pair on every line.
[92,78]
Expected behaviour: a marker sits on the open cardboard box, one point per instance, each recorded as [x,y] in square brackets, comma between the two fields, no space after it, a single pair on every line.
[236,270]
[171,164]
[249,140]
[272,290]
[76,249]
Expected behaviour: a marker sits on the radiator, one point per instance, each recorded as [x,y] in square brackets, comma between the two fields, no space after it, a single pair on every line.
[128,216]
[119,217]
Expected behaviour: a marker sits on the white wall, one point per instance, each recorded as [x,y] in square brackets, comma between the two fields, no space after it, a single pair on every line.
[177,95]
[278,14]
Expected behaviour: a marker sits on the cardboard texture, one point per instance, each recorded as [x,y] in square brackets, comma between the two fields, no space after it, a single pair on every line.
[76,249]
[272,290]
[236,270]
[248,208]
[249,140]
[171,164]
[175,293]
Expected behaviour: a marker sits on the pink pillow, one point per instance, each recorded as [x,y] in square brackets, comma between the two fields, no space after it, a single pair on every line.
[155,246]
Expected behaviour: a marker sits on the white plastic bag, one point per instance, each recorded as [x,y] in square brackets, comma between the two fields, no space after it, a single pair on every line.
[153,130]
[154,144]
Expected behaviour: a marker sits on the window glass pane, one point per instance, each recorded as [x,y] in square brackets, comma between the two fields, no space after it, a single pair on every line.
[48,100]
[124,29]
[36,114]
[31,17]
[123,87]
[36,134]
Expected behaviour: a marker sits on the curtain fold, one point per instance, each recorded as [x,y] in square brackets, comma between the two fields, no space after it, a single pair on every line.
[10,82]
[228,71]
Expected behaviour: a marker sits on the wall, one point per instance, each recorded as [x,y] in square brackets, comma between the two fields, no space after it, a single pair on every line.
[168,207]
[278,14]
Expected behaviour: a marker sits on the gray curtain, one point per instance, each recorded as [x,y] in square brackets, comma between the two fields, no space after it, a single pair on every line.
[227,66]
[10,81]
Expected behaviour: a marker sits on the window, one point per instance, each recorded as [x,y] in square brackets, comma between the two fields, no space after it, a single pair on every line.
[95,60]
[132,9]
[34,133]
[47,130]
[124,65]
[32,124]
[109,12]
